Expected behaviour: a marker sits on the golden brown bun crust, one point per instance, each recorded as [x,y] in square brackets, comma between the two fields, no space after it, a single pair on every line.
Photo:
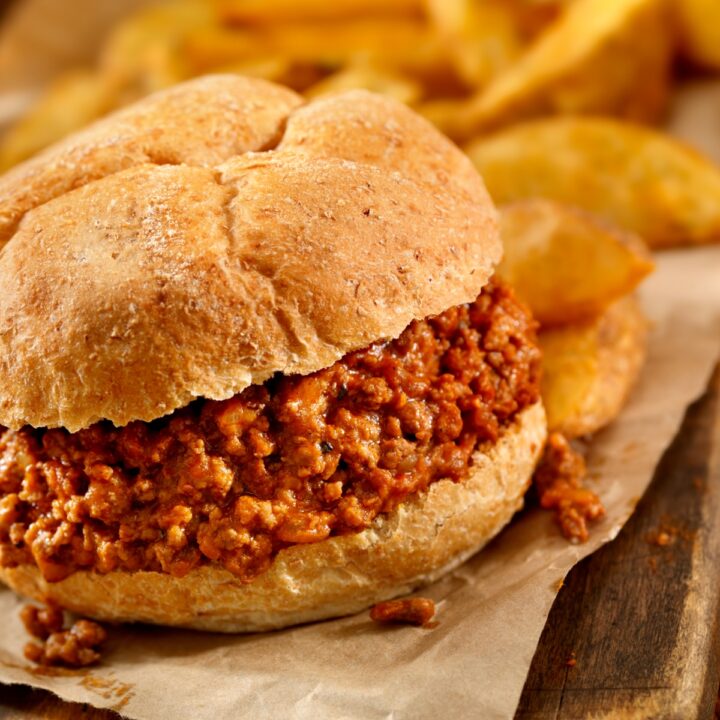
[201,123]
[221,232]
[424,538]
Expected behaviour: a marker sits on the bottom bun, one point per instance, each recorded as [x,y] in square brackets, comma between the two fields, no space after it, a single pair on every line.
[418,542]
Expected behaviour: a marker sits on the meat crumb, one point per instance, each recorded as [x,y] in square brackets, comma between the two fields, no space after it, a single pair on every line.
[41,622]
[77,646]
[411,611]
[665,534]
[558,482]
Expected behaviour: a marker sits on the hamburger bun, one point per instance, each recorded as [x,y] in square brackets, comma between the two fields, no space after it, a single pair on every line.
[213,236]
[164,236]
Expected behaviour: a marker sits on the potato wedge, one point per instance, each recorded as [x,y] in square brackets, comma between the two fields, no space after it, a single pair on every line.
[635,177]
[600,57]
[564,263]
[699,24]
[589,369]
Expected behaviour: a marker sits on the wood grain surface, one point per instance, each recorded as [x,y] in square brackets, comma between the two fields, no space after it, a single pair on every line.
[633,635]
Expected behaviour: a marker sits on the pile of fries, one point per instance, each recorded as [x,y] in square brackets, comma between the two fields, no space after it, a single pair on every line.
[471,66]
[554,101]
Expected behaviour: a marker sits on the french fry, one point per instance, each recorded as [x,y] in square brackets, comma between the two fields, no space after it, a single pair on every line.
[590,369]
[270,11]
[143,53]
[72,101]
[564,263]
[534,16]
[369,78]
[452,116]
[699,23]
[391,43]
[275,69]
[635,177]
[141,56]
[482,38]
[600,57]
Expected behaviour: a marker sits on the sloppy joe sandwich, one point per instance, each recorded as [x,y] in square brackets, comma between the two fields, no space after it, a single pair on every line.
[255,369]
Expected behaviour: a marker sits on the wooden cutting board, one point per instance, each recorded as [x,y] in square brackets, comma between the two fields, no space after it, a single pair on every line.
[634,633]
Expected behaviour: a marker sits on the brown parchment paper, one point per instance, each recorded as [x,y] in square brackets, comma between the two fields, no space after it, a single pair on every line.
[491,610]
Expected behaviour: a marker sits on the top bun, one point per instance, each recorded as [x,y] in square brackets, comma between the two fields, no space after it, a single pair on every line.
[217,233]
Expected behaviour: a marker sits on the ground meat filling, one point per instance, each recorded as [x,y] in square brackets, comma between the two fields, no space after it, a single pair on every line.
[77,646]
[409,611]
[295,460]
[558,482]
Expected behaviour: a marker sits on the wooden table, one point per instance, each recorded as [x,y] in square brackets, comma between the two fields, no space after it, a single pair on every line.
[634,633]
